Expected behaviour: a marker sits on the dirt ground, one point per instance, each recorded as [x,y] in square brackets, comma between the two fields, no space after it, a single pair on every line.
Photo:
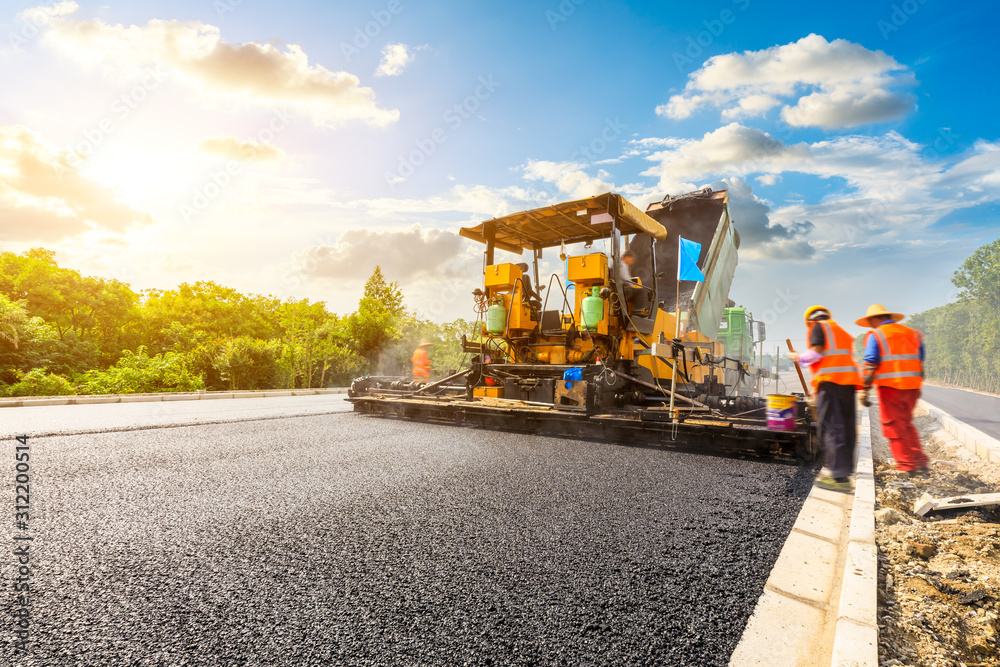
[939,575]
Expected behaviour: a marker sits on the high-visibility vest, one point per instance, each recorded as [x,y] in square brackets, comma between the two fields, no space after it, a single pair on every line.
[899,347]
[421,363]
[837,364]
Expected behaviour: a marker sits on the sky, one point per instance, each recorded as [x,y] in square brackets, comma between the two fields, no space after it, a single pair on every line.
[288,148]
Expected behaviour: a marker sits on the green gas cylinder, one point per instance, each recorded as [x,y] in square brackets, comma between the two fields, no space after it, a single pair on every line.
[496,318]
[592,310]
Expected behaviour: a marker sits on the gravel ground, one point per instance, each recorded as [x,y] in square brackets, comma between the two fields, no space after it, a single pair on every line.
[343,539]
[939,575]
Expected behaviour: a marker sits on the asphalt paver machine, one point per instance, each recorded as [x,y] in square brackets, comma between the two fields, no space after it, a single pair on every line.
[592,354]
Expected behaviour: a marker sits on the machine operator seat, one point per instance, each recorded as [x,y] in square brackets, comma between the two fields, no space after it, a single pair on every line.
[531,296]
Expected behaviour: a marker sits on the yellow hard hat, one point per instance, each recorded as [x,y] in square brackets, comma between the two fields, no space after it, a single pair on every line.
[873,311]
[813,309]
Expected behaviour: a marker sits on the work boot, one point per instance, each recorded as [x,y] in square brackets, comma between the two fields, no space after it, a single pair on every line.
[830,483]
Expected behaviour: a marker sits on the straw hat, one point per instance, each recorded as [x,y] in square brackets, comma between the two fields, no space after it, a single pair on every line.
[425,343]
[875,310]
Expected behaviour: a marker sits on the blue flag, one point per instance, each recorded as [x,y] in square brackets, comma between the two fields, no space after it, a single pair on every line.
[687,261]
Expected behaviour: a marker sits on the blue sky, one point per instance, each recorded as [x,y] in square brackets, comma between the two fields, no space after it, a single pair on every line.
[286,149]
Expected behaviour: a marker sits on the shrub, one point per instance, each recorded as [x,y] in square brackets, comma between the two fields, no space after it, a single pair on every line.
[137,372]
[38,382]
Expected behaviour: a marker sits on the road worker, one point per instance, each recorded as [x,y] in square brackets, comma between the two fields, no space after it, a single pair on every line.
[835,379]
[421,361]
[894,356]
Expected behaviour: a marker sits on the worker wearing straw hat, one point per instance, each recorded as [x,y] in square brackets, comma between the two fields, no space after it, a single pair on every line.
[894,356]
[421,361]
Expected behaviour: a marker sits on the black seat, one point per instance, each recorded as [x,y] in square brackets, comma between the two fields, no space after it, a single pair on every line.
[531,296]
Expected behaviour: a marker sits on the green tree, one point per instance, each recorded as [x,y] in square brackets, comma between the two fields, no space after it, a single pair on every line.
[979,276]
[12,315]
[375,324]
[249,363]
[962,339]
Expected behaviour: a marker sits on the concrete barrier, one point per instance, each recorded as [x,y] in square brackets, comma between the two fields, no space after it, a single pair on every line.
[820,601]
[162,396]
[855,642]
[984,446]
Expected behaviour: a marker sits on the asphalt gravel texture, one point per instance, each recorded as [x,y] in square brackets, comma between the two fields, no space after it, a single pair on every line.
[355,540]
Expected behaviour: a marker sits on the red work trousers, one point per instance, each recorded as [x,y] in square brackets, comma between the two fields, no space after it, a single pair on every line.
[896,416]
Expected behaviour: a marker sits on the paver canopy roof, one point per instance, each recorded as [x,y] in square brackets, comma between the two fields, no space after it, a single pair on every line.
[570,222]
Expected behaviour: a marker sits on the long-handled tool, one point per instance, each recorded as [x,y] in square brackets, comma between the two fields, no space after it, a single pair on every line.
[802,379]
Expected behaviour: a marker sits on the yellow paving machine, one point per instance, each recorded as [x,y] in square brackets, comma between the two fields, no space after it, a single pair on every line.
[613,347]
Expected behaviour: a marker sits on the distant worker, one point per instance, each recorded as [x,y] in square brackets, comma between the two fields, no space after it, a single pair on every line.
[835,379]
[894,362]
[421,361]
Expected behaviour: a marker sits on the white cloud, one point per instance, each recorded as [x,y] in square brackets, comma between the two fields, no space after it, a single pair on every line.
[412,252]
[43,195]
[568,177]
[760,237]
[195,54]
[232,148]
[395,57]
[834,84]
[732,149]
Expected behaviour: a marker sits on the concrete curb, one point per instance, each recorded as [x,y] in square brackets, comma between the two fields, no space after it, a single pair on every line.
[855,642]
[977,442]
[821,599]
[164,396]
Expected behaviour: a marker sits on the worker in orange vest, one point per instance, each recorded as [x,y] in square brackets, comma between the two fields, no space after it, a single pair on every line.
[421,361]
[835,379]
[894,362]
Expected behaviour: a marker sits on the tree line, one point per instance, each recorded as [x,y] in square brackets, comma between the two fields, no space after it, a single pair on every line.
[962,339]
[65,333]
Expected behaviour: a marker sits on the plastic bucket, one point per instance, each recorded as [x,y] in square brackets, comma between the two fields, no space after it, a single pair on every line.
[780,412]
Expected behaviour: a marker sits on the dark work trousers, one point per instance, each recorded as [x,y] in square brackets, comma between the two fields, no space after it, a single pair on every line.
[837,428]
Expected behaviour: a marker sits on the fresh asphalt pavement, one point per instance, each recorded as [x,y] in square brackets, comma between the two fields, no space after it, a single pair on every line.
[346,539]
[978,410]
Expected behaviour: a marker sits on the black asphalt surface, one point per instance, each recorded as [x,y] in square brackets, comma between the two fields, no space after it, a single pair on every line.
[345,539]
[980,411]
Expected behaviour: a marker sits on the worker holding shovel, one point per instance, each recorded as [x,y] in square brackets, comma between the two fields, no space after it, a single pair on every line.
[835,378]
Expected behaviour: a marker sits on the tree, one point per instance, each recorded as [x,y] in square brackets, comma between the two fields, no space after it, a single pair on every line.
[12,315]
[979,276]
[375,324]
[962,340]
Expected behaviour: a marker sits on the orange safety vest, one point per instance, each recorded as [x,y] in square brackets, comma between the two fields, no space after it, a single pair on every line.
[421,363]
[837,365]
[899,347]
